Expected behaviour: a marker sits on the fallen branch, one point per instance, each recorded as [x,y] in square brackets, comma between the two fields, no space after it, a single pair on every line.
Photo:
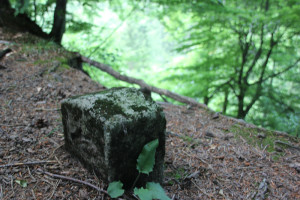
[177,97]
[28,163]
[74,180]
[142,84]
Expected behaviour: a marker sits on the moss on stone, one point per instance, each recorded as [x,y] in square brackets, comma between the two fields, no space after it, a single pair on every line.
[116,123]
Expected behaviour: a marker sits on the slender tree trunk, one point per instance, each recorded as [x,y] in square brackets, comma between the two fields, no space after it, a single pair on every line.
[59,21]
[35,10]
[206,100]
[241,113]
[225,102]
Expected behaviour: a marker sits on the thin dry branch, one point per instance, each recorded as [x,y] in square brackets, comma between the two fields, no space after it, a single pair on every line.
[12,125]
[47,109]
[287,144]
[142,84]
[28,163]
[74,180]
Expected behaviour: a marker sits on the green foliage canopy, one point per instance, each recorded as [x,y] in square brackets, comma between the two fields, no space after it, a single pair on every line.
[240,55]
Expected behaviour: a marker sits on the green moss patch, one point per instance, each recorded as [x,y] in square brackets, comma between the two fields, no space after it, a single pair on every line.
[261,140]
[177,175]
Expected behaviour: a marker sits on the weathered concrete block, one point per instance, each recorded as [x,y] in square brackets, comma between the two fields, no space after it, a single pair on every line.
[106,131]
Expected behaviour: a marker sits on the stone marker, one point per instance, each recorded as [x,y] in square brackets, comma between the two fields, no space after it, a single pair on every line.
[106,131]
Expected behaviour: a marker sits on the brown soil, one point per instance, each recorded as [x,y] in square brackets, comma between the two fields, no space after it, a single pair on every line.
[207,157]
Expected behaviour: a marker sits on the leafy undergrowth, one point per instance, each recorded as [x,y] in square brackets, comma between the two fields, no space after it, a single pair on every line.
[206,157]
[145,165]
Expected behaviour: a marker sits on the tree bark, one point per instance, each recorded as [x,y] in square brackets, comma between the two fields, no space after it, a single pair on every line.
[206,100]
[226,93]
[59,21]
[21,22]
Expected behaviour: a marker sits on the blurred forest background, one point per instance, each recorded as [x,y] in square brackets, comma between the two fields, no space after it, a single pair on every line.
[239,57]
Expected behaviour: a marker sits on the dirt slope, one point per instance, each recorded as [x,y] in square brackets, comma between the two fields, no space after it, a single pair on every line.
[207,157]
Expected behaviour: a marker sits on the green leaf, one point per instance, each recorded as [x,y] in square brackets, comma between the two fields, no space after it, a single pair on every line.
[143,194]
[152,191]
[115,189]
[23,183]
[157,191]
[146,159]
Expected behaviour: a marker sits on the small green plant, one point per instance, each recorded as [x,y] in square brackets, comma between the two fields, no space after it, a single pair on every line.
[22,183]
[145,164]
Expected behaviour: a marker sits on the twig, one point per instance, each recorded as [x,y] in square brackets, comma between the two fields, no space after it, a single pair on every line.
[30,174]
[135,181]
[200,188]
[1,193]
[74,180]
[165,100]
[33,194]
[12,125]
[12,185]
[55,150]
[173,197]
[173,134]
[28,163]
[193,175]
[54,189]
[247,167]
[287,144]
[47,109]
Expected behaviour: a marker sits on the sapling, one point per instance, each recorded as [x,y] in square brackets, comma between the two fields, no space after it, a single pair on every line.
[145,164]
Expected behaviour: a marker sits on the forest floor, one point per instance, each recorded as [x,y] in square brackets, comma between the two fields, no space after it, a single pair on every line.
[207,156]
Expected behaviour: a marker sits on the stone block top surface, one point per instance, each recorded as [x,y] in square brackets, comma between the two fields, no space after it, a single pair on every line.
[105,105]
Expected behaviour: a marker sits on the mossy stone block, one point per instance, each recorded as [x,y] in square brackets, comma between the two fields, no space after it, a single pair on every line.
[106,131]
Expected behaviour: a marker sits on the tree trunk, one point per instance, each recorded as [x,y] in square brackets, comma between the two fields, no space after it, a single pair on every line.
[5,4]
[225,102]
[20,22]
[59,21]
[241,113]
[206,100]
